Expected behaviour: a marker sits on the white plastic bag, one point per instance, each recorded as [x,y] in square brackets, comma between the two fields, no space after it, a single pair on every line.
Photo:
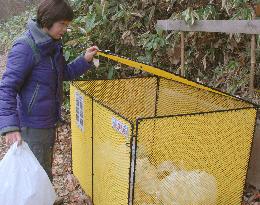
[23,181]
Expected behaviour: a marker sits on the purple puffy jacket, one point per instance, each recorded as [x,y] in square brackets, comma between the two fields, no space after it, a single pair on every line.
[30,92]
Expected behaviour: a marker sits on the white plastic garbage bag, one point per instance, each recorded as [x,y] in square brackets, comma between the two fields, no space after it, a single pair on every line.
[23,181]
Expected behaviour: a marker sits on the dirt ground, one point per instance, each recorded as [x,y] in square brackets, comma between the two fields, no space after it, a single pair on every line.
[2,64]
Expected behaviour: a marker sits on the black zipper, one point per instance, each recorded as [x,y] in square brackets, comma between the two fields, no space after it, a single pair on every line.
[52,64]
[32,101]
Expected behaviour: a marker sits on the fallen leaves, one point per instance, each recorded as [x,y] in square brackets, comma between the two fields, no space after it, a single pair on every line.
[251,195]
[3,147]
[65,184]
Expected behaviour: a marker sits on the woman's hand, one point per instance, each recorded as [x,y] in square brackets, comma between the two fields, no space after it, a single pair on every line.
[90,52]
[12,137]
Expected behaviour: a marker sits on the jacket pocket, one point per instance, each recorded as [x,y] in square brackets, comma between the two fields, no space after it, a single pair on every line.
[34,96]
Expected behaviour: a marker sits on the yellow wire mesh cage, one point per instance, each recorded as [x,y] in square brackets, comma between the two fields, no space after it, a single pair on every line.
[157,141]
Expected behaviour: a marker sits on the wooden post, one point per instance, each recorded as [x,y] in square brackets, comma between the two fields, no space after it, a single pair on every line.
[182,54]
[219,26]
[257,10]
[253,63]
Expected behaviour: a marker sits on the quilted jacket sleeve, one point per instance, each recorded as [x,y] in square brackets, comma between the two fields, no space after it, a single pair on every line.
[19,65]
[76,68]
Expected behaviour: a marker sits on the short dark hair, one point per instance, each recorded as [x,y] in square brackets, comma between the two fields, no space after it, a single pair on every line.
[51,11]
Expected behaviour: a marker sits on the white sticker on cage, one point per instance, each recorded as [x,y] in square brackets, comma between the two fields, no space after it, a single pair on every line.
[120,127]
[79,110]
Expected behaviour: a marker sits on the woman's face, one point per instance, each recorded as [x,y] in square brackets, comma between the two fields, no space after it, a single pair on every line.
[58,29]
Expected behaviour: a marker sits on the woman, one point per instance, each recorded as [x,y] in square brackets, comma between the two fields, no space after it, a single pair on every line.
[31,87]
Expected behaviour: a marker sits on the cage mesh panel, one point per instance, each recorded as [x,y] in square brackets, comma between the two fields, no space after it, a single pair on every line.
[82,143]
[131,98]
[202,155]
[111,159]
[174,152]
[177,98]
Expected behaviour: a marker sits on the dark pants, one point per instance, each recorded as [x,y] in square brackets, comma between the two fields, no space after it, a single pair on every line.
[41,143]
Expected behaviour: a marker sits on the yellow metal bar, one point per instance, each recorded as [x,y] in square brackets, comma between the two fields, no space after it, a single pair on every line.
[156,71]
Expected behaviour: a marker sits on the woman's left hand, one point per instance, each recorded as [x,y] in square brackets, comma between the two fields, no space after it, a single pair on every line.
[90,52]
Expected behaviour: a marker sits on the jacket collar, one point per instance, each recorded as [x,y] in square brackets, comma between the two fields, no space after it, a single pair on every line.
[41,38]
